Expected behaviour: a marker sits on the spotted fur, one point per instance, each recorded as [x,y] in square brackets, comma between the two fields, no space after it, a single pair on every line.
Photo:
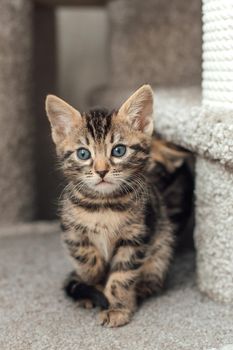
[116,231]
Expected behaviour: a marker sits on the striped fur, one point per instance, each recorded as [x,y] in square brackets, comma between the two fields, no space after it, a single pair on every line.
[117,232]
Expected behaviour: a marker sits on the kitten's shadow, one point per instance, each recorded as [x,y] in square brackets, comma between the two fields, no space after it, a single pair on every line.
[182,272]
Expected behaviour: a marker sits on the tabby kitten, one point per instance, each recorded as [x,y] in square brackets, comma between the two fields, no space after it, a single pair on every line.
[116,228]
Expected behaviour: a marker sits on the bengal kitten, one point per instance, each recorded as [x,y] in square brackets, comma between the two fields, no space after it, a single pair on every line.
[116,228]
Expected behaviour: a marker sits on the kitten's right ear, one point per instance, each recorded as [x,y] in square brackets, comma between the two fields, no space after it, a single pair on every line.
[63,118]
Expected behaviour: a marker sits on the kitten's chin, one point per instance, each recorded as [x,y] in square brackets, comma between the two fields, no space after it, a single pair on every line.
[105,187]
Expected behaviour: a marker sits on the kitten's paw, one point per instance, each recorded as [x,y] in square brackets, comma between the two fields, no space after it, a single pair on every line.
[114,318]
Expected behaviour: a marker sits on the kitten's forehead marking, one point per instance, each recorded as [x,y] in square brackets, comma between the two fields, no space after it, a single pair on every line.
[99,123]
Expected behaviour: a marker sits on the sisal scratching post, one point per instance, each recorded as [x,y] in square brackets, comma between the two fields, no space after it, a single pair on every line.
[16,132]
[214,182]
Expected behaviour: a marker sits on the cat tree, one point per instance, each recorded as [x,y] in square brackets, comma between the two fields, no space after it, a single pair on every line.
[207,130]
[150,41]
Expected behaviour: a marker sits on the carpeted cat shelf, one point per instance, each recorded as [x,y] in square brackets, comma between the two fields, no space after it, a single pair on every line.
[214,172]
[208,131]
[215,175]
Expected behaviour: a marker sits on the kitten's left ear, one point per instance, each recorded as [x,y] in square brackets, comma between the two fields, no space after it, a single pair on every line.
[138,109]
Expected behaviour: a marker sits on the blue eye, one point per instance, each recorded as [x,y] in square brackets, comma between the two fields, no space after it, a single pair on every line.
[118,151]
[83,154]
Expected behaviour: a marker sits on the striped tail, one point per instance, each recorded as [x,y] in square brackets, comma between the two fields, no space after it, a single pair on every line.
[79,291]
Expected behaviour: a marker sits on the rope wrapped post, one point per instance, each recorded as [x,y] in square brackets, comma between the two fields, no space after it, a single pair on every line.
[214,182]
[218,54]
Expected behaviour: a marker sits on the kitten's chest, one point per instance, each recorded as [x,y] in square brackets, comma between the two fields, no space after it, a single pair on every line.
[104,241]
[103,226]
[104,229]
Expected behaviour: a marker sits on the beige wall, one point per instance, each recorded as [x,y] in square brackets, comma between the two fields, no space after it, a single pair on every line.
[82,62]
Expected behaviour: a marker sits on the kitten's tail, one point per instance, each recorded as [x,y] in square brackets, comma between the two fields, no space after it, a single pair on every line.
[79,291]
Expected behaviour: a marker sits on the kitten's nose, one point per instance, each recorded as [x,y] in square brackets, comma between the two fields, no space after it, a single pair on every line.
[102,173]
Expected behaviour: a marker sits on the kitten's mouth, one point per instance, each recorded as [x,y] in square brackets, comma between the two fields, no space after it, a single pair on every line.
[104,182]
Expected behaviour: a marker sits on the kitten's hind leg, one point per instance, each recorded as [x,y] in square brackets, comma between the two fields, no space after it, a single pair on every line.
[86,295]
[155,269]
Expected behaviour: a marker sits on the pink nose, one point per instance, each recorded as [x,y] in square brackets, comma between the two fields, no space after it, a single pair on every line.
[102,173]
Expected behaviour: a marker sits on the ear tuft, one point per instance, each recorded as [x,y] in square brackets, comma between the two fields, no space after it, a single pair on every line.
[63,118]
[138,109]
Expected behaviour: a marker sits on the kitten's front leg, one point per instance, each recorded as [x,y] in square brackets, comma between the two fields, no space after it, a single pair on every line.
[120,288]
[88,263]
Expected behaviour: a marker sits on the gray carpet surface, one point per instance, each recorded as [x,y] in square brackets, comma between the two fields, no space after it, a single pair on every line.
[34,314]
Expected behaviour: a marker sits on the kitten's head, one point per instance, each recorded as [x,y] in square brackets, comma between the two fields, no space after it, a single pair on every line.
[101,151]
